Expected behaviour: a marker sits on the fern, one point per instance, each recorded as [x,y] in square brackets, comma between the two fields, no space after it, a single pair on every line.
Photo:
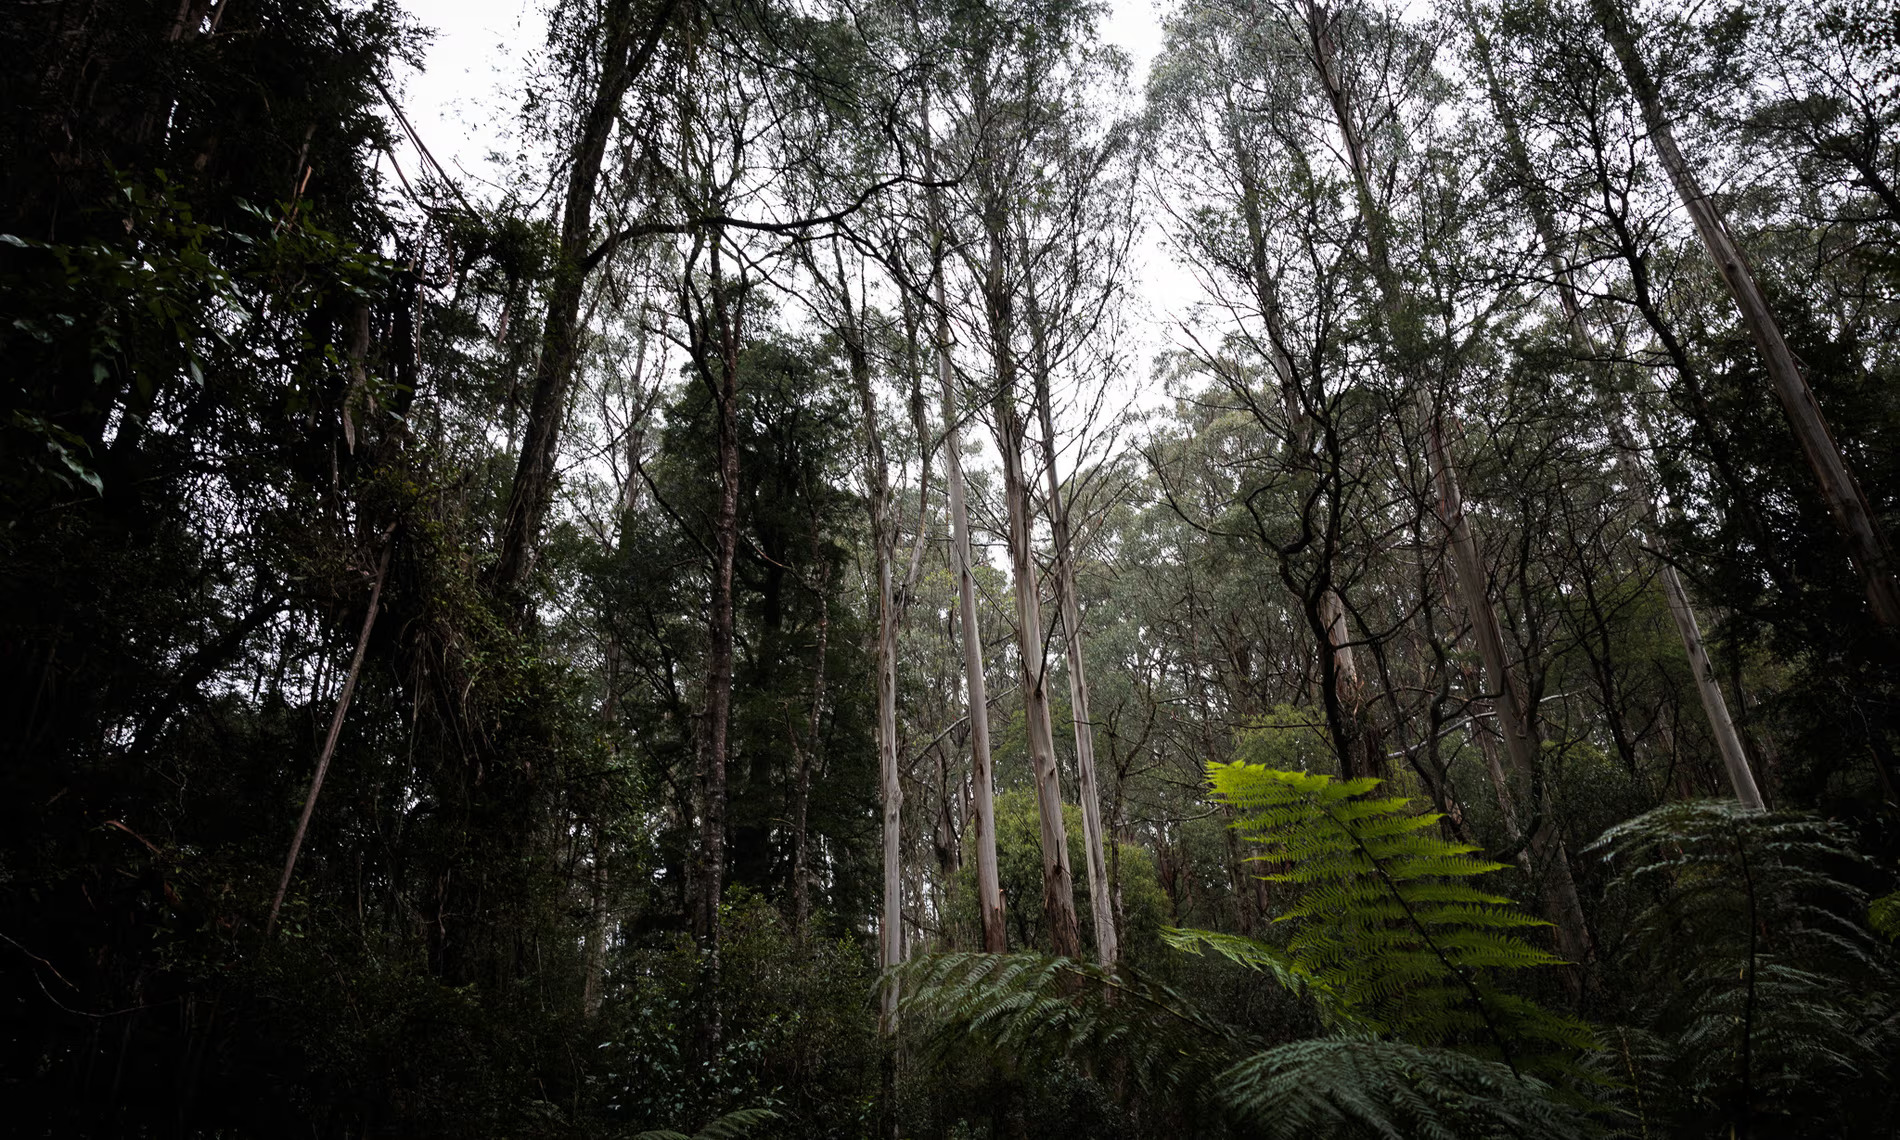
[1389,938]
[732,1126]
[1389,935]
[1345,1089]
[1883,914]
[1027,1009]
[1750,960]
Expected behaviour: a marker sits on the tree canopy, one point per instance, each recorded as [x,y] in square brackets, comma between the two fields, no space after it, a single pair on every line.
[896,574]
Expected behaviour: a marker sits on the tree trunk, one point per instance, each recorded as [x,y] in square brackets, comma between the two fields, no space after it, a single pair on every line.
[807,755]
[1714,706]
[1405,326]
[891,789]
[1293,400]
[336,726]
[1058,882]
[725,328]
[1101,904]
[989,890]
[626,54]
[600,917]
[1867,544]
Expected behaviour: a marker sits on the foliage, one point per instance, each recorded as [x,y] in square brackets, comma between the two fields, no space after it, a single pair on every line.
[732,1126]
[1347,1088]
[1025,1010]
[795,1039]
[1751,961]
[1389,935]
[1883,914]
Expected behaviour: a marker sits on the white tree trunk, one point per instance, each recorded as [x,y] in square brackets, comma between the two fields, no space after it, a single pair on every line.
[982,832]
[1101,905]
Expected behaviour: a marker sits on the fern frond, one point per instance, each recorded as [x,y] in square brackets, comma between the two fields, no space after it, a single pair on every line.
[732,1126]
[1243,951]
[1755,964]
[1388,932]
[1028,1008]
[1883,914]
[1347,1089]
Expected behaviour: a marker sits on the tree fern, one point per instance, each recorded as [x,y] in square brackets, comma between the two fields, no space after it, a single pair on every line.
[1344,1089]
[1387,931]
[732,1126]
[1389,938]
[1751,960]
[1024,1010]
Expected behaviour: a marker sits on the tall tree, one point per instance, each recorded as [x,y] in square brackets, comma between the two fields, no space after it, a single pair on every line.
[1867,541]
[1681,609]
[1405,325]
[628,34]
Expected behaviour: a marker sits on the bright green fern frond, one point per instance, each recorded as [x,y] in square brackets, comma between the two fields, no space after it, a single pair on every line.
[1386,927]
[1883,914]
[1349,1089]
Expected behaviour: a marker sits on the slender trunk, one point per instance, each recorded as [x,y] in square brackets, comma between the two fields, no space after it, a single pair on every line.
[1300,429]
[982,831]
[883,541]
[629,49]
[891,922]
[712,836]
[1714,706]
[329,740]
[599,919]
[1343,698]
[1058,882]
[1406,328]
[989,890]
[1867,544]
[1101,906]
[807,756]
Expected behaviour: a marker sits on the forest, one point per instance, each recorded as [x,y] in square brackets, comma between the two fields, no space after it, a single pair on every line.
[900,575]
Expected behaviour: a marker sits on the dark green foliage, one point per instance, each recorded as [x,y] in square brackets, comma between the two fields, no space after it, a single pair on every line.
[797,1038]
[1351,1089]
[1029,1013]
[1028,1010]
[732,1126]
[798,526]
[1751,962]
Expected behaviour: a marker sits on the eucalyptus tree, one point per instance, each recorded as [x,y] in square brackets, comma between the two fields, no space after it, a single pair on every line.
[1263,228]
[1018,72]
[1745,518]
[1866,538]
[604,47]
[1543,216]
[1072,245]
[1374,82]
